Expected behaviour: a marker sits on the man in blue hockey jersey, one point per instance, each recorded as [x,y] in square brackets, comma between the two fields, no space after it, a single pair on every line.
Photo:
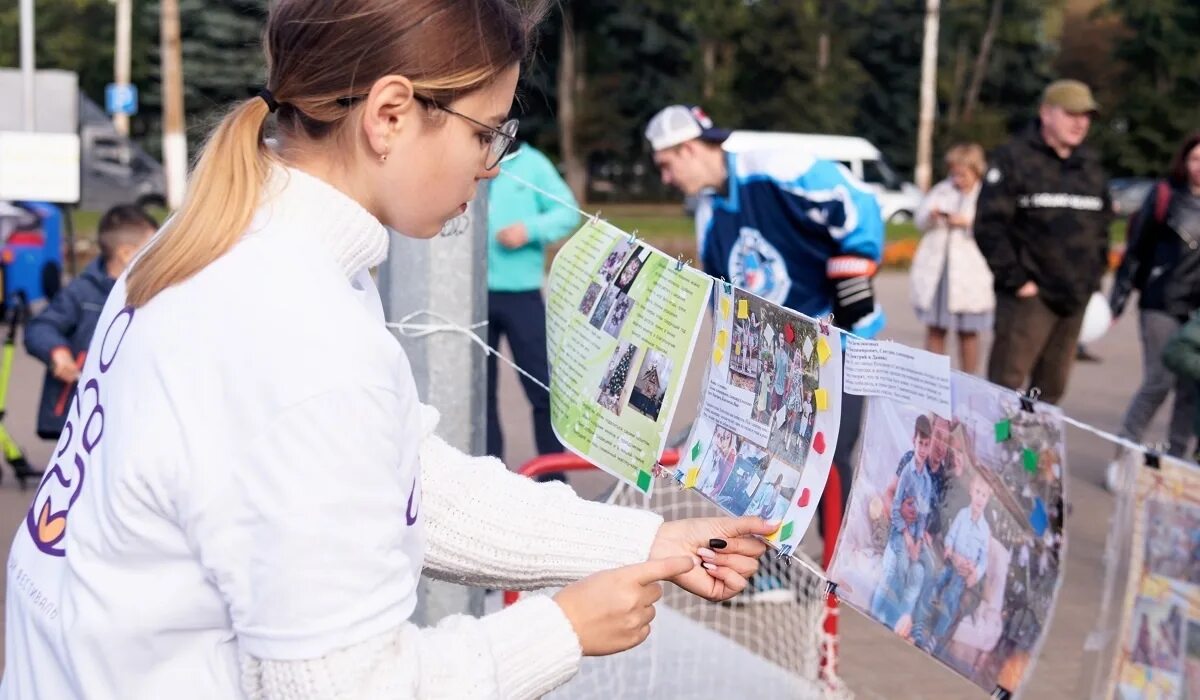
[796,230]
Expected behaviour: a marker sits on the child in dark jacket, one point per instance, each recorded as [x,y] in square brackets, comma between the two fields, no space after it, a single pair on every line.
[60,334]
[1181,355]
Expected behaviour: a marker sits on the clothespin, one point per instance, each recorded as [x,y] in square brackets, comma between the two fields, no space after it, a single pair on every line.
[726,286]
[785,553]
[633,236]
[1001,693]
[679,263]
[594,219]
[831,589]
[660,471]
[825,323]
[1029,398]
[1152,459]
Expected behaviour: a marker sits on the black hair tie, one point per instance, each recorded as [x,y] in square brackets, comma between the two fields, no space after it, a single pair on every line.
[267,97]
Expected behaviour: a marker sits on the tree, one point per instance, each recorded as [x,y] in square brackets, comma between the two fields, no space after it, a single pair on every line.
[222,60]
[1159,59]
[889,51]
[77,35]
[782,69]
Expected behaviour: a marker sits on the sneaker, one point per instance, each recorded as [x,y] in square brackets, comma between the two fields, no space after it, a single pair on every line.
[768,588]
[1114,476]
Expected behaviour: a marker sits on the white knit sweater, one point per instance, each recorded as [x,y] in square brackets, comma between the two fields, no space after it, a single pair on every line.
[485,526]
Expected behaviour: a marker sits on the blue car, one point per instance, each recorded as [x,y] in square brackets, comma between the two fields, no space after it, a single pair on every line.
[31,251]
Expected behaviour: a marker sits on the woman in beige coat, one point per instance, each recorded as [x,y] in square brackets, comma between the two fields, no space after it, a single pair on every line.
[950,280]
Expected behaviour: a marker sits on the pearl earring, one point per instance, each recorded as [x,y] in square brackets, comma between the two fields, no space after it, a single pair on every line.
[383,157]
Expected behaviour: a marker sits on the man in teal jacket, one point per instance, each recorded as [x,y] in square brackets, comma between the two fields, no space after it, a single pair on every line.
[522,222]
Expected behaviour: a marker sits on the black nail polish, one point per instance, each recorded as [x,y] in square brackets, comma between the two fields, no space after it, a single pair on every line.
[716,544]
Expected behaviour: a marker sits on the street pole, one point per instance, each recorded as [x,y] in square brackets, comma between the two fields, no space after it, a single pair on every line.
[924,170]
[121,58]
[448,276]
[28,67]
[174,136]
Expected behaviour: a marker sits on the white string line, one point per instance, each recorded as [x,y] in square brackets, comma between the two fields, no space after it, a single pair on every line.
[1103,434]
[409,329]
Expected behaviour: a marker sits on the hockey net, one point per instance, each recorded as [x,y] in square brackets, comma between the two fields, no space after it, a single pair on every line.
[778,640]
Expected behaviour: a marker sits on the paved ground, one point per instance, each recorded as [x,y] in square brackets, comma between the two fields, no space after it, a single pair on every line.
[875,664]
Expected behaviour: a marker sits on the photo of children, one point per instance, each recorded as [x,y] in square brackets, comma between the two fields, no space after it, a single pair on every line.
[631,269]
[1173,543]
[718,462]
[896,593]
[775,493]
[651,385]
[749,467]
[607,299]
[589,298]
[1158,655]
[1159,638]
[612,263]
[952,538]
[618,315]
[772,395]
[616,377]
[775,356]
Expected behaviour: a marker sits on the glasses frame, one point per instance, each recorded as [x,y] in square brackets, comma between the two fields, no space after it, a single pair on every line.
[506,133]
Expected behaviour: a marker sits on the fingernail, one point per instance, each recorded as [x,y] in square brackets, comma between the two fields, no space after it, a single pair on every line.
[706,553]
[717,544]
[710,566]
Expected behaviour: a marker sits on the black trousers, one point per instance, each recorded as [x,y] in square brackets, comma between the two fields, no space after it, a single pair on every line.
[852,413]
[520,317]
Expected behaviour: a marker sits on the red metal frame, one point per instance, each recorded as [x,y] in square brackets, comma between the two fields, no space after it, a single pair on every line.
[831,517]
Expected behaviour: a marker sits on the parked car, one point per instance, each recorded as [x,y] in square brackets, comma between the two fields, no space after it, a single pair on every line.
[115,170]
[1128,193]
[31,235]
[898,199]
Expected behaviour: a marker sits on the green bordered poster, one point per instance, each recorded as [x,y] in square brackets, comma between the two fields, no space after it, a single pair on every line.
[622,320]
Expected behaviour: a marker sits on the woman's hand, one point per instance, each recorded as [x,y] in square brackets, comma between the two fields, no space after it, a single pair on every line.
[611,611]
[959,221]
[727,547]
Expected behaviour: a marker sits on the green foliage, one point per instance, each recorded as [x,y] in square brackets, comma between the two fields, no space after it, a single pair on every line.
[835,66]
[1160,103]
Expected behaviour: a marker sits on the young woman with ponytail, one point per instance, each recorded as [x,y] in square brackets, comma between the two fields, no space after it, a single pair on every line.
[248,488]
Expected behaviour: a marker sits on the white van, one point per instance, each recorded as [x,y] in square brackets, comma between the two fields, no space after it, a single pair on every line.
[898,199]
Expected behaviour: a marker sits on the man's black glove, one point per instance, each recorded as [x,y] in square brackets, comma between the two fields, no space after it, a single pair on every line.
[853,299]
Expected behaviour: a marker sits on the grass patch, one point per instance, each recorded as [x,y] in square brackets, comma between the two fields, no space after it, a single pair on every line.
[669,221]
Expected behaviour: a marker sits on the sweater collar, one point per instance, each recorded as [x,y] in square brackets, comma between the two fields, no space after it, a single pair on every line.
[304,205]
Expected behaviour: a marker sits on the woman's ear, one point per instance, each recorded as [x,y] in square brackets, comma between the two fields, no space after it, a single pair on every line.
[391,108]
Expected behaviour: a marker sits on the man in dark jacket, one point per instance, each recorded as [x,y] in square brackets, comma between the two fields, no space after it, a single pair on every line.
[1042,223]
[59,336]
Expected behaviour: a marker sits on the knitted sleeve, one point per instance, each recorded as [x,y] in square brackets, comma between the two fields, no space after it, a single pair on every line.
[486,526]
[524,651]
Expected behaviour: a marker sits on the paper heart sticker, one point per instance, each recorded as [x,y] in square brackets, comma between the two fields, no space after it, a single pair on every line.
[818,443]
[805,497]
[788,334]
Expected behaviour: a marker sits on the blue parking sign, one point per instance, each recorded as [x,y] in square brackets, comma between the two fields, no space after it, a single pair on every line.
[121,99]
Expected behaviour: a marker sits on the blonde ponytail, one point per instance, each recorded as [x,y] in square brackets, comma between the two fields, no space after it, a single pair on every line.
[223,195]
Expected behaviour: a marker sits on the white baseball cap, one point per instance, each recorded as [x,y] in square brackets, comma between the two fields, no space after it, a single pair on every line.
[679,123]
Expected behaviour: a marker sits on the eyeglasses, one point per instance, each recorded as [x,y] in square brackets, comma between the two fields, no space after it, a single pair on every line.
[501,138]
